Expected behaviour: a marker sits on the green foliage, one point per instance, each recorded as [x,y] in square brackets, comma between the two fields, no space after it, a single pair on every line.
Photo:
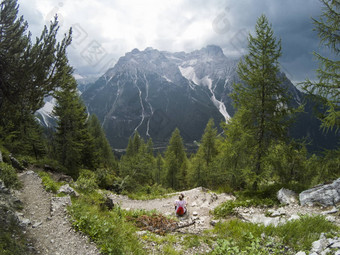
[297,235]
[150,192]
[263,104]
[49,183]
[137,166]
[328,167]
[328,73]
[108,229]
[74,144]
[87,181]
[228,208]
[13,240]
[103,151]
[300,234]
[9,176]
[53,163]
[106,178]
[202,168]
[29,72]
[176,162]
[288,163]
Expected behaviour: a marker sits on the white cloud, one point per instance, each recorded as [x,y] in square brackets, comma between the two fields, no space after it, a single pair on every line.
[116,27]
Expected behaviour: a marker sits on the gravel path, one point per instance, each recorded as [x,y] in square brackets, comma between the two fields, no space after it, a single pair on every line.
[199,200]
[47,222]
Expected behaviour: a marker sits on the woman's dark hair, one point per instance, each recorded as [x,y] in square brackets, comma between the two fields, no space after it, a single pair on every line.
[181,196]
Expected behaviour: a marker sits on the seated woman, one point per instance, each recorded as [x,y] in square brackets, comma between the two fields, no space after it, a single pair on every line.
[180,206]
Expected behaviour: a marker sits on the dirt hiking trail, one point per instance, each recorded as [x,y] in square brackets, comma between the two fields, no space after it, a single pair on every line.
[47,222]
[199,200]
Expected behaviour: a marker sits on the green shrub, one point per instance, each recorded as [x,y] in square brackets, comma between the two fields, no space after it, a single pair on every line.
[228,208]
[297,235]
[105,177]
[48,182]
[54,164]
[9,176]
[87,181]
[148,192]
[108,229]
[300,234]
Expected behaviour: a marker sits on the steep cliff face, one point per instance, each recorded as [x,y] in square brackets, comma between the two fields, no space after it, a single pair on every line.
[153,92]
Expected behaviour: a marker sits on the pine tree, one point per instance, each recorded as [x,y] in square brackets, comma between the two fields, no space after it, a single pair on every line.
[74,143]
[28,71]
[200,173]
[102,147]
[176,161]
[261,101]
[328,73]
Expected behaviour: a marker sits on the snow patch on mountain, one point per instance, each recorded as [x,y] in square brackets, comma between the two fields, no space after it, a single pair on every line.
[46,111]
[189,73]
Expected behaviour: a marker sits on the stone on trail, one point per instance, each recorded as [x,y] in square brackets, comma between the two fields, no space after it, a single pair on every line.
[16,164]
[66,189]
[326,195]
[287,197]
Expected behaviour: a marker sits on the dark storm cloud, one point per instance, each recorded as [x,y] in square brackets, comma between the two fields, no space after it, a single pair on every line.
[181,25]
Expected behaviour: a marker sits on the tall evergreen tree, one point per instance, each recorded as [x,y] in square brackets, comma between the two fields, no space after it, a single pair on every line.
[137,166]
[328,73]
[102,147]
[261,101]
[74,143]
[176,162]
[200,173]
[28,71]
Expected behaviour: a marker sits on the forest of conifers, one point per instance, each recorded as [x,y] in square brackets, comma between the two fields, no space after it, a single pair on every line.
[253,151]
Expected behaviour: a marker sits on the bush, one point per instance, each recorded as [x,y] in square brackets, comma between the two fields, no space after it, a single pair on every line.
[48,182]
[106,178]
[227,208]
[87,181]
[297,235]
[108,229]
[9,176]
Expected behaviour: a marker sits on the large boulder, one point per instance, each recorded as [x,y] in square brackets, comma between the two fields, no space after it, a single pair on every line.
[66,189]
[16,164]
[286,196]
[326,195]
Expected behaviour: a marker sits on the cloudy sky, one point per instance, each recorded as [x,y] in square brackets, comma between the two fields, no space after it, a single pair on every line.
[103,30]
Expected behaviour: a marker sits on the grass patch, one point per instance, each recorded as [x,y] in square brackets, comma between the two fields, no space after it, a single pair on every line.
[49,184]
[109,229]
[12,238]
[228,208]
[9,176]
[150,192]
[236,236]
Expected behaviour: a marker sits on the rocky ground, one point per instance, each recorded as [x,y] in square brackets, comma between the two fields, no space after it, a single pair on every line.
[200,202]
[49,229]
[47,222]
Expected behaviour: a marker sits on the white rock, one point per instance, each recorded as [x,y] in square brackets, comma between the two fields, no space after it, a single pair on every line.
[286,196]
[301,253]
[294,217]
[194,213]
[331,218]
[194,204]
[333,210]
[319,245]
[68,190]
[326,195]
[336,245]
[37,224]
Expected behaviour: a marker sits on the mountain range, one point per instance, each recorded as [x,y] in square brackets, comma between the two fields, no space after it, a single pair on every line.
[153,92]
